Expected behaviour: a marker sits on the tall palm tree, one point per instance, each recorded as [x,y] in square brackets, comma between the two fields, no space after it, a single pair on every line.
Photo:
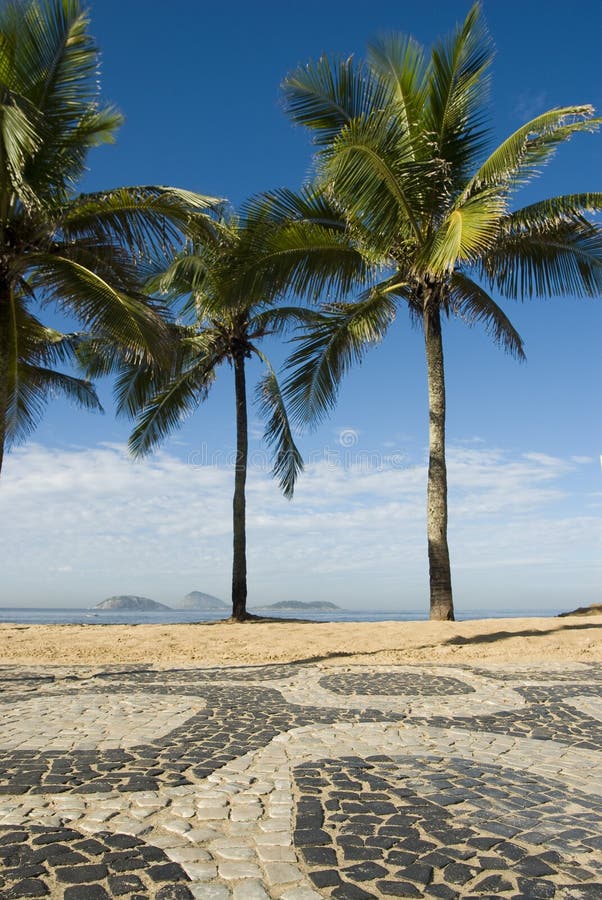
[411,211]
[227,327]
[86,253]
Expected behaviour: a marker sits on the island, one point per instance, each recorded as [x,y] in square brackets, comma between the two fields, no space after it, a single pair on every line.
[129,603]
[295,605]
[199,600]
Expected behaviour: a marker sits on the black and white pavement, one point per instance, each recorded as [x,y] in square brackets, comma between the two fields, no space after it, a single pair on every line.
[299,782]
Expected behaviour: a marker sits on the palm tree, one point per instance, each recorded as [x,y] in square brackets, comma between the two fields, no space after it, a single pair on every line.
[228,327]
[86,253]
[410,211]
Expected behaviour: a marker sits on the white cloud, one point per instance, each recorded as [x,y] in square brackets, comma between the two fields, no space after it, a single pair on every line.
[79,524]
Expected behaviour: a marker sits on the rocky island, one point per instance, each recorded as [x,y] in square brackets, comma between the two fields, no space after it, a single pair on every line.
[199,600]
[129,603]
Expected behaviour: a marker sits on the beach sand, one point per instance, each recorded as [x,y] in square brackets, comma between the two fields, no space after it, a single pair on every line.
[514,641]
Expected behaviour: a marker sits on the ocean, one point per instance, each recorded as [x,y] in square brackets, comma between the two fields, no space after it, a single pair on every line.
[55,616]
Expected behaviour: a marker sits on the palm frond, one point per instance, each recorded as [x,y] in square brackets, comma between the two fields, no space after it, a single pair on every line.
[309,259]
[517,159]
[30,392]
[168,408]
[471,303]
[327,95]
[372,171]
[553,211]
[19,140]
[148,220]
[310,204]
[398,61]
[129,320]
[138,383]
[55,65]
[467,232]
[278,319]
[339,335]
[288,462]
[458,88]
[561,259]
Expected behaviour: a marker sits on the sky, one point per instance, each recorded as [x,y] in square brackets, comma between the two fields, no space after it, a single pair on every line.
[198,84]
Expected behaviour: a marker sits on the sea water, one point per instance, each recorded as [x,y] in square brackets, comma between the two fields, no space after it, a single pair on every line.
[54,616]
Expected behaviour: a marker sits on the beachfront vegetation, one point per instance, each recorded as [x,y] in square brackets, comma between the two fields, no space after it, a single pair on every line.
[83,254]
[409,211]
[226,325]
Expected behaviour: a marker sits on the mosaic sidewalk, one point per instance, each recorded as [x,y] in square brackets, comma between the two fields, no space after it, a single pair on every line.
[300,782]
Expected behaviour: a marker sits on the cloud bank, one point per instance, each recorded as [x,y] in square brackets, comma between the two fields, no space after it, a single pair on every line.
[80,524]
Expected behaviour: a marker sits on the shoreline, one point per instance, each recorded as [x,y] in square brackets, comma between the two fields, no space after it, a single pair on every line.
[517,641]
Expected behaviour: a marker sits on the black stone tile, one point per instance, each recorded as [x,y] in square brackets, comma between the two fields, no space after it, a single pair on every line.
[364,871]
[325,877]
[86,892]
[27,887]
[398,889]
[167,872]
[81,874]
[537,888]
[457,873]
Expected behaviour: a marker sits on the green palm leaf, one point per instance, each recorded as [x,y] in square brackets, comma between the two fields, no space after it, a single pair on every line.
[170,406]
[560,259]
[471,303]
[458,87]
[148,220]
[125,319]
[29,394]
[398,62]
[553,211]
[340,335]
[372,169]
[466,233]
[288,463]
[519,157]
[328,95]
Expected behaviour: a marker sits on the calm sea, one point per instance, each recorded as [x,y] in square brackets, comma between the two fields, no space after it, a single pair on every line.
[52,616]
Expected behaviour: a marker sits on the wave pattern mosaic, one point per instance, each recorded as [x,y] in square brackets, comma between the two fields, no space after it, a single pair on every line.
[299,782]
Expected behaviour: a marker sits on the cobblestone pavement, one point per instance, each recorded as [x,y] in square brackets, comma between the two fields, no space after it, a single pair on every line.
[299,782]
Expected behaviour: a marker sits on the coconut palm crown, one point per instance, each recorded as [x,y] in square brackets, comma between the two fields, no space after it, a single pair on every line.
[410,210]
[218,324]
[85,254]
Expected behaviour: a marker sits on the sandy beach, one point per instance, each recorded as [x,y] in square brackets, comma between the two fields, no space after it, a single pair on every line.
[507,641]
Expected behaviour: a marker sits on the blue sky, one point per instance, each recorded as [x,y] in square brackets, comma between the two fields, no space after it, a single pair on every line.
[199,88]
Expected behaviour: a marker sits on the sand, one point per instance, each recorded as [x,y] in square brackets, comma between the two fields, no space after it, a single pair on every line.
[511,641]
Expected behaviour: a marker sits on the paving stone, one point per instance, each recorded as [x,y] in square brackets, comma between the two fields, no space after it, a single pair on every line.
[86,892]
[281,873]
[124,884]
[537,888]
[249,890]
[27,887]
[398,889]
[242,869]
[81,874]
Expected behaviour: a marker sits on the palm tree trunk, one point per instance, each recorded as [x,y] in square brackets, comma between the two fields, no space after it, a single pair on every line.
[442,606]
[4,363]
[239,559]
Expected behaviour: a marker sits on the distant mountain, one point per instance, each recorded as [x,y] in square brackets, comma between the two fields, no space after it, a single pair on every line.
[130,602]
[199,600]
[324,605]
